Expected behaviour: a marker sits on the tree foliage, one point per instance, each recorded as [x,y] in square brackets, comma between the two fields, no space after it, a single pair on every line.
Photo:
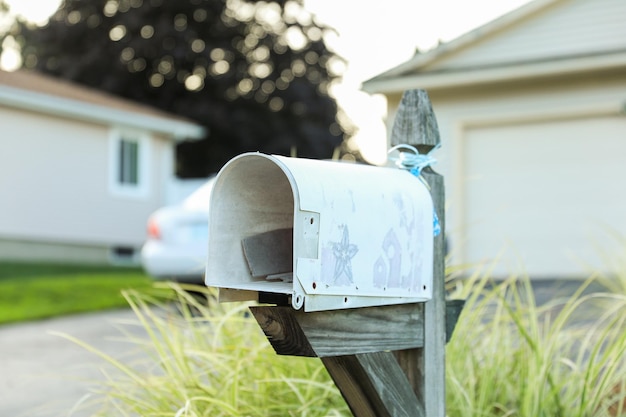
[255,73]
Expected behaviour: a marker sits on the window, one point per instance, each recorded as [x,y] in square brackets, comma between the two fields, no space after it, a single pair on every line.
[129,163]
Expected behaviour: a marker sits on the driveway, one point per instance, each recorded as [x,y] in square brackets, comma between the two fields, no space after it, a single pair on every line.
[45,375]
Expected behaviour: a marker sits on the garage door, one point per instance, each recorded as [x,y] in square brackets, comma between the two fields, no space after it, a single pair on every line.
[548,197]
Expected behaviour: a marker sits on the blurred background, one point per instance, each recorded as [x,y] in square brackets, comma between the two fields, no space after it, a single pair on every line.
[370,39]
[123,107]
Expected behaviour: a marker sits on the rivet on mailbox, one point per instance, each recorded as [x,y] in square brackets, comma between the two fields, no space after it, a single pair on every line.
[319,234]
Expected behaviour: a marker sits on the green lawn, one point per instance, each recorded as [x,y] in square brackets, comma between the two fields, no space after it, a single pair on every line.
[35,291]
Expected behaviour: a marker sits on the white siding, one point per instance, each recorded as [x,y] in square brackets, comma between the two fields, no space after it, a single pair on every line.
[54,184]
[569,27]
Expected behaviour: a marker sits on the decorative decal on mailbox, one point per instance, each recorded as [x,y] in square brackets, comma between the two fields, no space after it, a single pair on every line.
[368,256]
[399,264]
[344,251]
[387,266]
[404,214]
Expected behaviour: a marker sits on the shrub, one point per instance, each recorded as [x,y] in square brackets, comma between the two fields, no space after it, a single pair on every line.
[202,358]
[508,357]
[511,357]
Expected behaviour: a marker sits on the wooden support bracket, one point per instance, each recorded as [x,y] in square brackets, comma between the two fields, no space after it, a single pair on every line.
[374,385]
[341,332]
[348,332]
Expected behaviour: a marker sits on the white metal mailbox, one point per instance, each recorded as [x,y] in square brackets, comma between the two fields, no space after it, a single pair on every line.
[326,235]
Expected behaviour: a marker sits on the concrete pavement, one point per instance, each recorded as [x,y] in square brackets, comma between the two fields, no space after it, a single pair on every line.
[45,375]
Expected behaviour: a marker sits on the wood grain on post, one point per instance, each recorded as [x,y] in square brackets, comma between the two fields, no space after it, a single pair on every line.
[342,332]
[348,332]
[416,125]
[373,385]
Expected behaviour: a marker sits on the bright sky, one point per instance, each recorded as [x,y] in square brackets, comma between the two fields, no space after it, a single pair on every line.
[382,34]
[373,37]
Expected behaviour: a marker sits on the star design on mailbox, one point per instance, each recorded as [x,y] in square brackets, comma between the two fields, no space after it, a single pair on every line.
[344,251]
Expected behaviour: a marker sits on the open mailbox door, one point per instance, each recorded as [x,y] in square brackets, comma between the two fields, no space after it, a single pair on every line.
[319,234]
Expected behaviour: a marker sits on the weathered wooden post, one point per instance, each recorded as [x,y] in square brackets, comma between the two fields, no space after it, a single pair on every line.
[416,125]
[385,354]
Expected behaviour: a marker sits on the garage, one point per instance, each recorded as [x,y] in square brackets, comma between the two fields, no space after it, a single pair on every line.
[531,110]
[547,199]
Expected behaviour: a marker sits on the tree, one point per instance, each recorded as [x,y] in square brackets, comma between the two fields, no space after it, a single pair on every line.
[255,73]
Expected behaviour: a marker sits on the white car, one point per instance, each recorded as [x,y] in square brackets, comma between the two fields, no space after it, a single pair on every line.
[178,235]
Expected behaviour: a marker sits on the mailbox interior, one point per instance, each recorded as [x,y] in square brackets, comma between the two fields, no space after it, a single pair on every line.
[252,195]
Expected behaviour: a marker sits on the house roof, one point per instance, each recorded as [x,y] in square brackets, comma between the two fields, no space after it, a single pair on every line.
[437,68]
[34,91]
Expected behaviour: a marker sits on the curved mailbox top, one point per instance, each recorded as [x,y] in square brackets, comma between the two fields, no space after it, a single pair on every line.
[329,235]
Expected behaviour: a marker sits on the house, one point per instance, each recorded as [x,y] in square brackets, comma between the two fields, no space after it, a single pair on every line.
[80,170]
[531,110]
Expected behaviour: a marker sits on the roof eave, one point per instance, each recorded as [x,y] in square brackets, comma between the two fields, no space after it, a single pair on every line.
[423,59]
[57,106]
[496,74]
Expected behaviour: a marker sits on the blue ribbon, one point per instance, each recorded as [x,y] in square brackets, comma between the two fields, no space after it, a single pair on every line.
[410,159]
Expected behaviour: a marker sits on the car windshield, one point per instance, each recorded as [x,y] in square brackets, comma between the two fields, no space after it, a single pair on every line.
[199,199]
